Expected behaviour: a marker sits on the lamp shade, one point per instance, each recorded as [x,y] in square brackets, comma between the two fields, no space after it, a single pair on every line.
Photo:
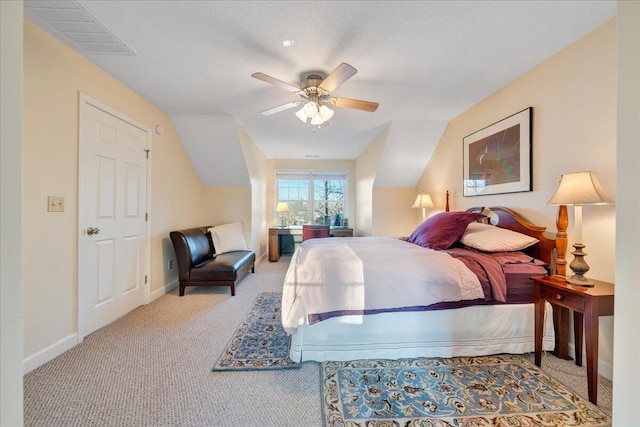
[580,188]
[282,207]
[317,120]
[301,115]
[310,109]
[423,201]
[326,113]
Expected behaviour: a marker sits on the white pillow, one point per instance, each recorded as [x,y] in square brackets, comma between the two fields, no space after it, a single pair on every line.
[228,238]
[489,238]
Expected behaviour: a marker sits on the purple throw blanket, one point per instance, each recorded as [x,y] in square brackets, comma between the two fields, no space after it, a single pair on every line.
[488,270]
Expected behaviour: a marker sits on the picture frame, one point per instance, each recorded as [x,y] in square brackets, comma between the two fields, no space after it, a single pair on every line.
[497,159]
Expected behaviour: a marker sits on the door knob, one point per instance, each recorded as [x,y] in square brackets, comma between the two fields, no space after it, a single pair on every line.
[92,230]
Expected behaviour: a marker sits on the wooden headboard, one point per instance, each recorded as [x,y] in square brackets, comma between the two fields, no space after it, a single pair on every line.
[511,220]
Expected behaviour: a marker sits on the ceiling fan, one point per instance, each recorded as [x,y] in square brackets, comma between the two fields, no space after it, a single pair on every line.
[315,93]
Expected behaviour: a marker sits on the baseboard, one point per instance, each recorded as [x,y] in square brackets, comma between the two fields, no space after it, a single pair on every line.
[605,369]
[54,350]
[164,290]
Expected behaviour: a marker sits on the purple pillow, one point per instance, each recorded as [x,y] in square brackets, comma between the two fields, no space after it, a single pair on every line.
[442,230]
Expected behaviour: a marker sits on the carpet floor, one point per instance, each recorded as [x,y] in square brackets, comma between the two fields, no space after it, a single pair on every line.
[153,368]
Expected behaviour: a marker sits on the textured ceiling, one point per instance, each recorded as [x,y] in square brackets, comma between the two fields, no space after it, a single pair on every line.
[423,62]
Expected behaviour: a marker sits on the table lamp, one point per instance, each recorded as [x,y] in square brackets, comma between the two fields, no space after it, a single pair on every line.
[423,201]
[282,207]
[578,189]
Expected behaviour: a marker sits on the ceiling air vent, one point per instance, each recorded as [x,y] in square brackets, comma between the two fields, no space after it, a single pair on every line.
[75,25]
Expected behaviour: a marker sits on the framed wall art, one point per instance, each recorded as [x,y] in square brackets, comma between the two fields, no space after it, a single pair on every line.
[497,159]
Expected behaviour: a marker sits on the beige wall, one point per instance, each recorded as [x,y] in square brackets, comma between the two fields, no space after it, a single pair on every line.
[626,369]
[53,77]
[573,95]
[393,215]
[259,173]
[177,197]
[224,205]
[366,167]
[382,211]
[11,336]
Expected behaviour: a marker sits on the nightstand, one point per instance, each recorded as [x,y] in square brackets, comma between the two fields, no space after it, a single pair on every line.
[587,304]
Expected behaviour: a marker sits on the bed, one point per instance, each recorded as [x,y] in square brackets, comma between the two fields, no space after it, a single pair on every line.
[364,297]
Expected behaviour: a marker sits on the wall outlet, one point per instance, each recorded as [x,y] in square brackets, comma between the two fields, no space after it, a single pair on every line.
[170,264]
[55,204]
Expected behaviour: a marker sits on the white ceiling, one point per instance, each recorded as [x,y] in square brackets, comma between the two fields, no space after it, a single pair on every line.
[424,62]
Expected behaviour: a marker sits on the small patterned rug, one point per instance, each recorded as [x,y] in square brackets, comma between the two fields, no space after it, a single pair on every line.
[503,390]
[260,342]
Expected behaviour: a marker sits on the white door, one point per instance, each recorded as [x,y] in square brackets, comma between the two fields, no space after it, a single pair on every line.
[112,199]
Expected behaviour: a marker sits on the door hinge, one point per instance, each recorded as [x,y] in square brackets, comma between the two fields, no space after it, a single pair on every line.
[145,279]
[146,216]
[147,153]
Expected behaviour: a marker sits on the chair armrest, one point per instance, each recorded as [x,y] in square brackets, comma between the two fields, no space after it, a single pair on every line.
[183,254]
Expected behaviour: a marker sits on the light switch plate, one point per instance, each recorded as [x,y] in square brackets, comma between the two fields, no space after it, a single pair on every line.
[55,204]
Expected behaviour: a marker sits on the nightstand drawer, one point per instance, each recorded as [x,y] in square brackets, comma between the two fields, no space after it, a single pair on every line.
[563,298]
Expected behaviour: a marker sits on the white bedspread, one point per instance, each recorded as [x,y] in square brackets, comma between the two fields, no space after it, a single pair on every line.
[366,273]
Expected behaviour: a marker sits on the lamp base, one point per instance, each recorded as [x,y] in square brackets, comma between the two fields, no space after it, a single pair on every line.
[579,266]
[579,281]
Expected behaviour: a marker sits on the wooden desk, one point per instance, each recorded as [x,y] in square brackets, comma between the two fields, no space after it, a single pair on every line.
[588,304]
[276,232]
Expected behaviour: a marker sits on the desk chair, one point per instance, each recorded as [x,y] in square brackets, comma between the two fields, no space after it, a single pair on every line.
[314,231]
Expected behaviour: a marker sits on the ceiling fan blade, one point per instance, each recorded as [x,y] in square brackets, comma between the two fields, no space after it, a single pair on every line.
[358,104]
[276,82]
[341,74]
[279,108]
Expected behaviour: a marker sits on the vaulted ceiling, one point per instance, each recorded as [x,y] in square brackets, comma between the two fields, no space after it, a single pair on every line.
[423,62]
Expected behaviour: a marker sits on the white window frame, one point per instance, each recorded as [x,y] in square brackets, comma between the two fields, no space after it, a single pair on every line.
[311,176]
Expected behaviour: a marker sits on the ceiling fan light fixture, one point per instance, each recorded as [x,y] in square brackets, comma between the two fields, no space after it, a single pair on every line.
[301,115]
[315,92]
[310,109]
[326,113]
[317,120]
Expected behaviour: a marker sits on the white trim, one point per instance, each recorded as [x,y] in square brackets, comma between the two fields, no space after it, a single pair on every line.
[147,289]
[49,353]
[261,258]
[88,100]
[83,101]
[163,290]
[605,369]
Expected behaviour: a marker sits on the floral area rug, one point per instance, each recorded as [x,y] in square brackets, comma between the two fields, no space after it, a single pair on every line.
[503,390]
[260,342]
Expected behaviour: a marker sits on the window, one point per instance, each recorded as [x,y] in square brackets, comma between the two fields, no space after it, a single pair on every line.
[312,197]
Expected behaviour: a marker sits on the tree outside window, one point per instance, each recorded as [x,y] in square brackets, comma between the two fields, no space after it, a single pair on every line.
[328,197]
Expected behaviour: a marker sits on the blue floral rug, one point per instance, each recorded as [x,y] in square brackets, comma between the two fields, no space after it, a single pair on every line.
[503,390]
[260,342]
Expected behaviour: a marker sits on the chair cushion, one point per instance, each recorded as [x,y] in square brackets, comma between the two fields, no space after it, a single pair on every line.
[223,267]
